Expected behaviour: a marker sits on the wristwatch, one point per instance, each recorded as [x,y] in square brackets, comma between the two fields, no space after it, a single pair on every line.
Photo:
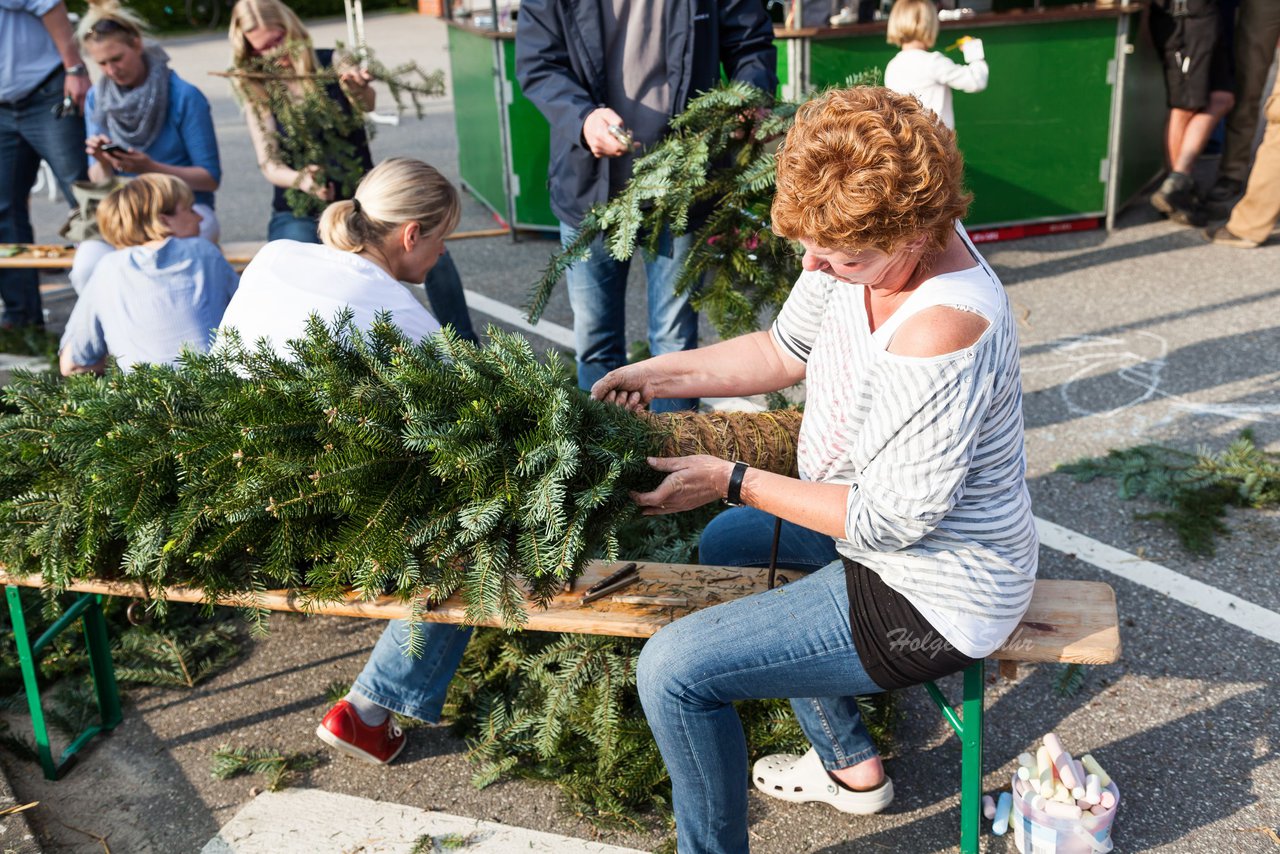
[733,495]
[77,71]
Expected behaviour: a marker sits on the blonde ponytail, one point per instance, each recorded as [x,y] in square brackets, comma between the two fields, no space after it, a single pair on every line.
[340,227]
[396,191]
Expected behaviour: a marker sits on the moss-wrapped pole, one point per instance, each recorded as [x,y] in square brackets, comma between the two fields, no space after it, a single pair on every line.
[762,440]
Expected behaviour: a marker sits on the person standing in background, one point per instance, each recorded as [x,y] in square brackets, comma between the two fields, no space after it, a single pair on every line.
[929,75]
[1199,83]
[43,84]
[608,75]
[1254,216]
[1257,32]
[269,32]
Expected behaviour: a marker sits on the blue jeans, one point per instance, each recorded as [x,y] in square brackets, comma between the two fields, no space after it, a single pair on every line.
[409,685]
[793,641]
[743,536]
[285,226]
[448,302]
[597,295]
[29,133]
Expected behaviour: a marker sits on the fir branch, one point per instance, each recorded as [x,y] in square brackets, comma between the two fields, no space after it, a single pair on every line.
[1198,488]
[711,177]
[368,462]
[281,769]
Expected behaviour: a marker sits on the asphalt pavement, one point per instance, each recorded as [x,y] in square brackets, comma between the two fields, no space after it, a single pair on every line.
[1143,334]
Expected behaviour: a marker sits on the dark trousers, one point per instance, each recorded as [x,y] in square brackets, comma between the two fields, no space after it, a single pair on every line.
[29,133]
[1257,32]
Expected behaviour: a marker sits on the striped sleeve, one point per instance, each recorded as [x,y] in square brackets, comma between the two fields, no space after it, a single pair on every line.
[929,415]
[797,324]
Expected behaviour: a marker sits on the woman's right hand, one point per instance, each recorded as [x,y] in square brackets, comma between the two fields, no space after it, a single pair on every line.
[631,387]
[308,182]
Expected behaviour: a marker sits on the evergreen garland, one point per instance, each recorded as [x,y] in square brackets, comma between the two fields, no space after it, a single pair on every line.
[312,128]
[1198,488]
[713,175]
[366,462]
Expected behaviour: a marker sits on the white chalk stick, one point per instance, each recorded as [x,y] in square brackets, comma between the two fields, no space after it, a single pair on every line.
[1026,760]
[1061,810]
[1092,789]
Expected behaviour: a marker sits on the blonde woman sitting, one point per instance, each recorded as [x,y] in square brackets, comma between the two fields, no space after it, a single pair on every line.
[164,288]
[392,231]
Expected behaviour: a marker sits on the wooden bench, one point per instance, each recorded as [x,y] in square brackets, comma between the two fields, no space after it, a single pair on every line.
[237,253]
[1072,622]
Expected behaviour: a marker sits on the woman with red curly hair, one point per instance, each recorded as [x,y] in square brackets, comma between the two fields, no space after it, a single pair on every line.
[911,472]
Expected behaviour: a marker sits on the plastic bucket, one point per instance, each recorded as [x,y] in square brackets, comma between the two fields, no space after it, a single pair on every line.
[1037,832]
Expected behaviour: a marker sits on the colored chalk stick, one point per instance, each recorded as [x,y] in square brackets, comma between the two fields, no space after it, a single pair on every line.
[1026,760]
[1024,773]
[988,807]
[1061,810]
[1001,822]
[1099,809]
[1108,800]
[1091,765]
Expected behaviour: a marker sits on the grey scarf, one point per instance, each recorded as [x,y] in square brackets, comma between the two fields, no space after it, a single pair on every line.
[135,117]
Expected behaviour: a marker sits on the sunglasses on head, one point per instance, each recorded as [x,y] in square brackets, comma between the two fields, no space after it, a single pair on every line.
[108,26]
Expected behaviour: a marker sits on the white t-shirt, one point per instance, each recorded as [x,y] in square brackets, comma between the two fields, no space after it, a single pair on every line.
[287,282]
[930,76]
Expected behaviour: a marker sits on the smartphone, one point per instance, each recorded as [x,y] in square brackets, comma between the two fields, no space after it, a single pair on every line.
[112,148]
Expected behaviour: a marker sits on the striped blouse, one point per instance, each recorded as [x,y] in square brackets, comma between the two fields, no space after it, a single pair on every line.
[933,448]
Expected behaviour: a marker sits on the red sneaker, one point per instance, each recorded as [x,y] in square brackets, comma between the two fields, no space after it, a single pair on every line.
[343,729]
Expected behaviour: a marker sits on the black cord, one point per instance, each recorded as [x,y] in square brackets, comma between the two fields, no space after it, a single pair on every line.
[773,553]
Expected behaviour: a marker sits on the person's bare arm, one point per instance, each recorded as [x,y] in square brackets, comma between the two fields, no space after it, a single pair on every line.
[275,171]
[748,364]
[76,86]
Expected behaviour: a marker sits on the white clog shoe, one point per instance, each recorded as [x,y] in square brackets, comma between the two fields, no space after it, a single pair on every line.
[801,779]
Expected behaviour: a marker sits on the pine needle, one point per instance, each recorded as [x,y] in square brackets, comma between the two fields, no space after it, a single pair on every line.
[280,769]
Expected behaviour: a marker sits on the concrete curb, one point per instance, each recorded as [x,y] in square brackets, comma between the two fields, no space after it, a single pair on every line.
[15,832]
[293,821]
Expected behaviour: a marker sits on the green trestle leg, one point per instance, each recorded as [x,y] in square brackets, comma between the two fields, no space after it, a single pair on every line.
[968,726]
[88,608]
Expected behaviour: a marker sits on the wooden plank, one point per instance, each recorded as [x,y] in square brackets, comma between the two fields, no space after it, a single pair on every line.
[238,255]
[1067,621]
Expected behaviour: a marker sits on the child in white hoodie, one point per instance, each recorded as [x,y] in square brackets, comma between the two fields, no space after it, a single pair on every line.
[930,76]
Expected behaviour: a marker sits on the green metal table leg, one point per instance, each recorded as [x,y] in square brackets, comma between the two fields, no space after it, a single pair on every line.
[968,727]
[971,761]
[30,682]
[89,608]
[101,665]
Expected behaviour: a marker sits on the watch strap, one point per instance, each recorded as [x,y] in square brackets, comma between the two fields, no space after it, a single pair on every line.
[733,495]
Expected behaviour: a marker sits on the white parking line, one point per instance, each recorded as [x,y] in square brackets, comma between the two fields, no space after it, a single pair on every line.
[515,317]
[1212,601]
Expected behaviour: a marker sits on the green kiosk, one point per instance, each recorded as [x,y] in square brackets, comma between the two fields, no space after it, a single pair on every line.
[1068,131]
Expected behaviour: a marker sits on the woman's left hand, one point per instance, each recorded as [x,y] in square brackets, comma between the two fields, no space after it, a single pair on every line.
[691,482]
[132,160]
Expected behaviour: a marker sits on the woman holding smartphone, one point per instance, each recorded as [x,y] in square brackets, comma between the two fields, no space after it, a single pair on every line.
[142,118]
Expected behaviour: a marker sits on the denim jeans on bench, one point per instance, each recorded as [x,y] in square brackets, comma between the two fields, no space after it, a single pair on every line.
[794,641]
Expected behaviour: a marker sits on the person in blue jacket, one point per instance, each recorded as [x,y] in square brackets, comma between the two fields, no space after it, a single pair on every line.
[603,71]
[142,118]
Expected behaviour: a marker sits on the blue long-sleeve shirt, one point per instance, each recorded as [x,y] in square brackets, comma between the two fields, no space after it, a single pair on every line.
[187,138]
